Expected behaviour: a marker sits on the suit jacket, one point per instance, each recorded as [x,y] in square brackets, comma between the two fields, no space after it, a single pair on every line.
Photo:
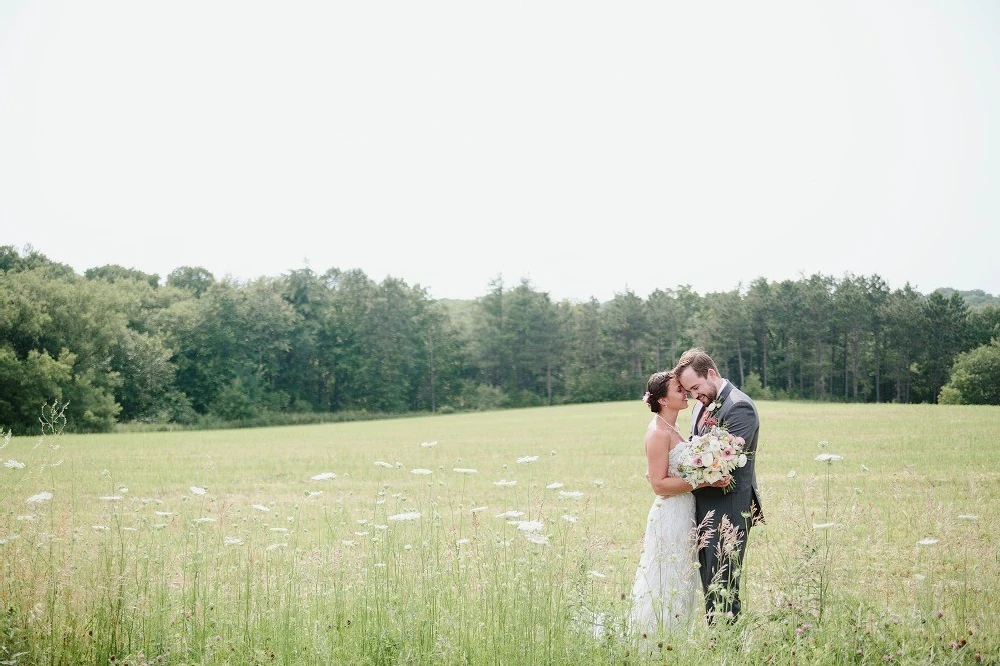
[738,414]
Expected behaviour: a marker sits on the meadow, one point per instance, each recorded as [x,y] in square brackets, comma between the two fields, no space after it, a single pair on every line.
[491,538]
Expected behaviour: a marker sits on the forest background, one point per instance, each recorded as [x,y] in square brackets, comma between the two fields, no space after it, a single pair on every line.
[125,351]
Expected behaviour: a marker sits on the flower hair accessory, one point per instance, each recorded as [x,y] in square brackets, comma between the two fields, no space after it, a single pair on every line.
[645,397]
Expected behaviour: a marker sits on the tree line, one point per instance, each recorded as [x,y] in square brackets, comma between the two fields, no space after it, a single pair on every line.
[120,347]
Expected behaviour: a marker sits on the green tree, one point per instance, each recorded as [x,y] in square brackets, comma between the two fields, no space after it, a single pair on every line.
[975,377]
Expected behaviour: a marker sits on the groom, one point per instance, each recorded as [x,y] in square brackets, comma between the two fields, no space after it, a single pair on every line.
[735,512]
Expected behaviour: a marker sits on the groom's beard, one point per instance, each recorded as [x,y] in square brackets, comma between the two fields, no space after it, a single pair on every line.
[709,397]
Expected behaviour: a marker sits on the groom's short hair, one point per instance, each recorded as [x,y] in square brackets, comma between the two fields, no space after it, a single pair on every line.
[696,359]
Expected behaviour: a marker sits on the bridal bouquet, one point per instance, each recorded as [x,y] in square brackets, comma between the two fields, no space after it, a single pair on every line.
[711,456]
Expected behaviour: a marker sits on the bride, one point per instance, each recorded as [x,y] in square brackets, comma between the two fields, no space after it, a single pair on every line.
[666,595]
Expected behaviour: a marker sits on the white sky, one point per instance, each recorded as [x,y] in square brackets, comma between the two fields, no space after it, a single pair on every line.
[589,147]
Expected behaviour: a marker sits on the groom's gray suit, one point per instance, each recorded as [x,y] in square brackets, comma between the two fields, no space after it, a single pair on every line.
[741,506]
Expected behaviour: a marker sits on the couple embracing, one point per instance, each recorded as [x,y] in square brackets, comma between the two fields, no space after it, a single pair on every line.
[692,553]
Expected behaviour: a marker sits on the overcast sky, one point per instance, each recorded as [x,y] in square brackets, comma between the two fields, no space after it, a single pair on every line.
[591,148]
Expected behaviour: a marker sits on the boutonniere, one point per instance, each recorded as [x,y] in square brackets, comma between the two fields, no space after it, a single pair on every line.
[714,405]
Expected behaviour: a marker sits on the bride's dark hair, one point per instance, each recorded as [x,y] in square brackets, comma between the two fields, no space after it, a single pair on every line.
[656,388]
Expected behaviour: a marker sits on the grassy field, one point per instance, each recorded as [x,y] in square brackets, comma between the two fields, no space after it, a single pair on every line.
[363,543]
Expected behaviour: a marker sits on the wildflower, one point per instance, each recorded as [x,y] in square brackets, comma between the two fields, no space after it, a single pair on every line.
[598,483]
[540,539]
[324,476]
[554,485]
[510,514]
[428,445]
[463,470]
[313,493]
[503,483]
[204,520]
[968,516]
[347,542]
[382,463]
[572,494]
[791,474]
[276,545]
[260,507]
[409,515]
[531,525]
[13,464]
[164,513]
[527,459]
[461,542]
[568,518]
[823,526]
[421,471]
[828,457]
[929,541]
[100,528]
[198,490]
[233,541]
[279,529]
[408,547]
[110,498]
[44,496]
[478,509]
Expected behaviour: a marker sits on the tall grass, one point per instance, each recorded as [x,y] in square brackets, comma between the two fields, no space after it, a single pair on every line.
[505,537]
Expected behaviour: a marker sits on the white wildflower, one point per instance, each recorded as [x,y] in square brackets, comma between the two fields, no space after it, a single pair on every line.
[279,529]
[407,547]
[110,498]
[428,445]
[599,483]
[555,485]
[198,490]
[478,509]
[463,470]
[503,483]
[276,545]
[409,515]
[233,541]
[929,541]
[204,519]
[968,516]
[531,525]
[510,514]
[100,528]
[324,476]
[44,496]
[314,493]
[260,507]
[572,494]
[527,459]
[461,542]
[164,513]
[13,464]
[828,457]
[540,539]
[568,518]
[347,542]
[823,526]
[791,474]
[382,463]
[421,471]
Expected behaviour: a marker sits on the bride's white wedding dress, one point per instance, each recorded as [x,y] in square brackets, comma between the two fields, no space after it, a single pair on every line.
[666,595]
